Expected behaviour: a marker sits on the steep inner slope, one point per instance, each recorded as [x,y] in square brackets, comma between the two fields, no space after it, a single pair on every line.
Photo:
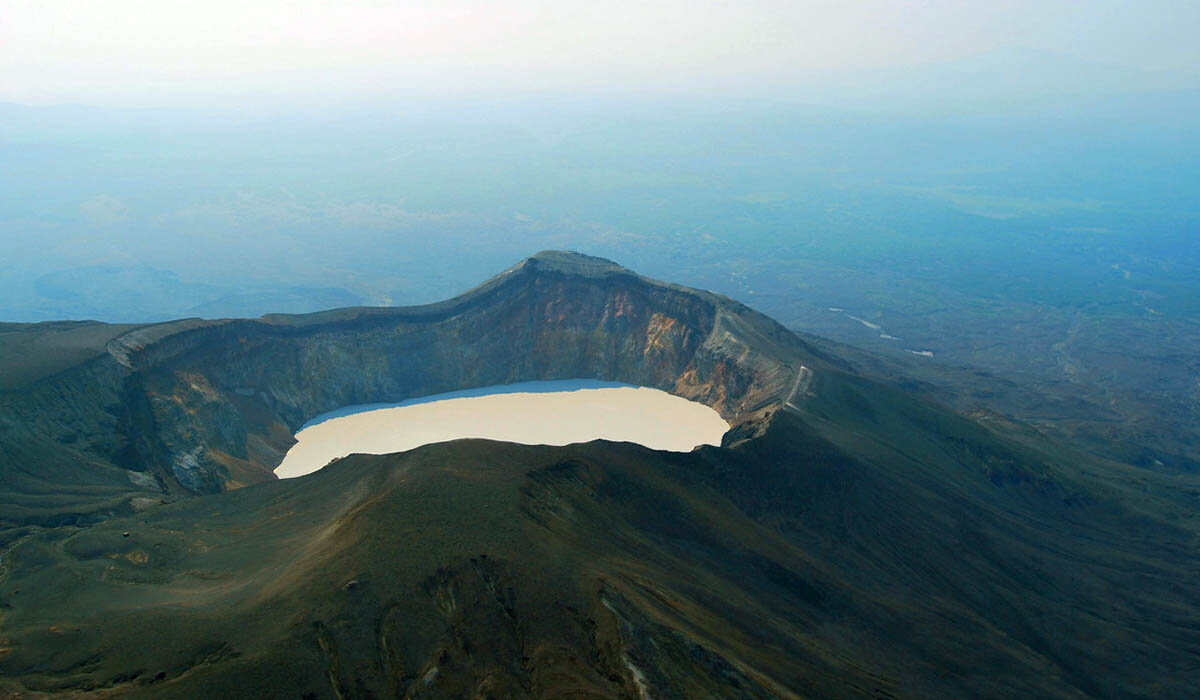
[847,540]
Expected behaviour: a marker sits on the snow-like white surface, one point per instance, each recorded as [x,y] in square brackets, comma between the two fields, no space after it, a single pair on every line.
[533,413]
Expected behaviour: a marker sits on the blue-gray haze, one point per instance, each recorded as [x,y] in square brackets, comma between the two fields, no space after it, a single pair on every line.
[957,178]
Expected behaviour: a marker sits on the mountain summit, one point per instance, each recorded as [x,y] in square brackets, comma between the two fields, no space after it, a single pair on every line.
[846,540]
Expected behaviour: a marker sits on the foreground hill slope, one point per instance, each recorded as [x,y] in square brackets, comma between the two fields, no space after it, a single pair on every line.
[848,540]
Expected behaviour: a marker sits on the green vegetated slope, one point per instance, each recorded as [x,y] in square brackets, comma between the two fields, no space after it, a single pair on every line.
[848,540]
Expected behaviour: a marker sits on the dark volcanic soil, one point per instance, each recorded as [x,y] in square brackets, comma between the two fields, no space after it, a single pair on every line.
[848,540]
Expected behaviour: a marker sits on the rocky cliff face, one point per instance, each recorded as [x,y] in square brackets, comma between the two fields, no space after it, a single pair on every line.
[211,405]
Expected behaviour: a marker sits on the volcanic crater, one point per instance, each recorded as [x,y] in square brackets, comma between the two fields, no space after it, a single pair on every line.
[846,539]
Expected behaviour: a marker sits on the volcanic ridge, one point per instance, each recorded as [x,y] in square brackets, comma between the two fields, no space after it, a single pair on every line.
[847,540]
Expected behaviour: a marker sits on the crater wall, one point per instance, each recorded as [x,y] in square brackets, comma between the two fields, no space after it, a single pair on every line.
[212,405]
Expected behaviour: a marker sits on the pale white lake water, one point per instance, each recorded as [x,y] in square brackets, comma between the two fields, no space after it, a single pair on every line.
[532,413]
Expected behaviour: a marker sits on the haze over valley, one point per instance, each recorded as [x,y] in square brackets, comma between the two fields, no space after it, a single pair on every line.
[1050,242]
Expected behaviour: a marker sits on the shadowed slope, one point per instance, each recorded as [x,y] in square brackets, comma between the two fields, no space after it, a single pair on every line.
[784,568]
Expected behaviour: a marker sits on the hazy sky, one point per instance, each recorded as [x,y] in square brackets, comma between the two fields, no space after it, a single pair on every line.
[147,52]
